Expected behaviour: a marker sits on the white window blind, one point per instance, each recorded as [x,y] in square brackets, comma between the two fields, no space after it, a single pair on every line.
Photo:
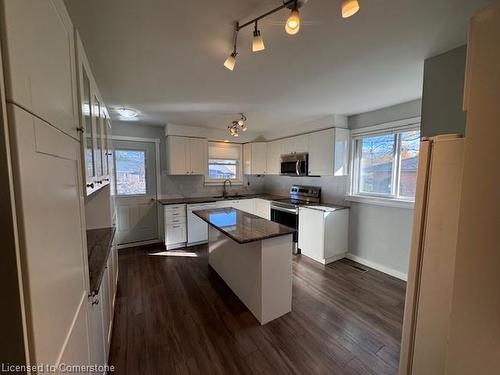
[222,150]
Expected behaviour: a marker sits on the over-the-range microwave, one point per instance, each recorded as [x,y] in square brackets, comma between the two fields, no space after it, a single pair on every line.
[295,164]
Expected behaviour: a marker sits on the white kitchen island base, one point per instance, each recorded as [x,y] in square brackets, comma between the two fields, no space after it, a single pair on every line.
[259,272]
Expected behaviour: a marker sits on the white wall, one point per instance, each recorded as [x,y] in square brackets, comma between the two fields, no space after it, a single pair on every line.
[380,236]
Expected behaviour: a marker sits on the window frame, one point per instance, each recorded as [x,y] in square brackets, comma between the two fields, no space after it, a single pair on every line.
[393,198]
[239,168]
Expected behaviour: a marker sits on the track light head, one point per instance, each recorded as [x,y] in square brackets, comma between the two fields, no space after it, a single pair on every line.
[349,8]
[292,25]
[257,42]
[231,61]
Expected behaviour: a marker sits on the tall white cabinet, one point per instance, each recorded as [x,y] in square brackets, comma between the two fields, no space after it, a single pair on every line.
[47,121]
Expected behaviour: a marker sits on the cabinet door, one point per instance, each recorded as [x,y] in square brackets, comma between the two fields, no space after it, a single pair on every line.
[199,154]
[40,60]
[259,158]
[311,233]
[96,334]
[178,153]
[274,151]
[342,146]
[104,145]
[321,153]
[247,158]
[175,234]
[49,174]
[300,143]
[262,208]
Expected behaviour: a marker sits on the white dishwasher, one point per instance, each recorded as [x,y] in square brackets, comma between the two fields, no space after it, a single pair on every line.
[197,229]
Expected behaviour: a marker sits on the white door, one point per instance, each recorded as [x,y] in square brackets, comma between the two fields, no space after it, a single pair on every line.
[135,191]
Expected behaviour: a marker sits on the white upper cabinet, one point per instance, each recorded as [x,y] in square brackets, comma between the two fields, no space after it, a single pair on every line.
[274,151]
[296,144]
[39,58]
[186,156]
[329,152]
[255,158]
[198,150]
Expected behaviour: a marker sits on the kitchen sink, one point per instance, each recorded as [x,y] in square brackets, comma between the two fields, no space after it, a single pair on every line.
[230,197]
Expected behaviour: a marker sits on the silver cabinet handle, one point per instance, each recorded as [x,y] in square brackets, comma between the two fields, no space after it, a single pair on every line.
[177,226]
[297,167]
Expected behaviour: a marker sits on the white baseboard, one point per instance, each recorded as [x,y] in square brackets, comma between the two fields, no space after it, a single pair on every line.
[135,244]
[333,259]
[378,267]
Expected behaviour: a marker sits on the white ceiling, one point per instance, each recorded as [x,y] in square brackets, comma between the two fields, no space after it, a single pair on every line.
[164,57]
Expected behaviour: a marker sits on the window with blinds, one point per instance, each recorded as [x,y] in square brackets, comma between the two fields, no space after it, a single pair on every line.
[224,162]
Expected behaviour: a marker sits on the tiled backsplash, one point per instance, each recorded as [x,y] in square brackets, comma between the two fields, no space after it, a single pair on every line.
[333,189]
[193,186]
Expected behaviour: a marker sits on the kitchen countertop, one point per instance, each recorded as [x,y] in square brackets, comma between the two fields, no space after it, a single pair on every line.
[241,226]
[326,207]
[193,200]
[99,243]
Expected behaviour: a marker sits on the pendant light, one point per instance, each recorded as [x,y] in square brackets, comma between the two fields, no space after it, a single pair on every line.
[257,42]
[292,25]
[349,8]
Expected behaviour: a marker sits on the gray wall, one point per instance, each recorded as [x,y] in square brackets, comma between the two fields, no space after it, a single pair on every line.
[378,234]
[443,91]
[388,114]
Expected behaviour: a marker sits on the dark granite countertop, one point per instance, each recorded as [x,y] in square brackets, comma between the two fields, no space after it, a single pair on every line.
[99,243]
[193,200]
[241,226]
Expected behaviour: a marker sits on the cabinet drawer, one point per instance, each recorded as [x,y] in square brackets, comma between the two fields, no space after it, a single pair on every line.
[175,234]
[175,220]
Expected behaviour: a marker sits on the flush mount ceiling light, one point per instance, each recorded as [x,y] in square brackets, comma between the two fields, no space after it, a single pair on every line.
[349,8]
[238,125]
[127,112]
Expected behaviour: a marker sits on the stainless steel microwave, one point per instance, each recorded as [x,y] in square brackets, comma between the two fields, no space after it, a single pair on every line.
[295,164]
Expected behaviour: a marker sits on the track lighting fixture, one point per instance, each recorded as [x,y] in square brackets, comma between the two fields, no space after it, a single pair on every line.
[238,125]
[349,8]
[257,42]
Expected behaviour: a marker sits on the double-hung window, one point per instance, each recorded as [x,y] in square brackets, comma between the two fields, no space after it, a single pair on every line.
[224,163]
[385,163]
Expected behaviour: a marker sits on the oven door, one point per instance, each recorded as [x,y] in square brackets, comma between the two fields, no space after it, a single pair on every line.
[288,217]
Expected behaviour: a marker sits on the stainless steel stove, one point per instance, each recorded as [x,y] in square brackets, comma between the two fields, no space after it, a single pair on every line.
[286,211]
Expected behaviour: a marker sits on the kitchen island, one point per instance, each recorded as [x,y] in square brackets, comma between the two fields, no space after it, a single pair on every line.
[254,257]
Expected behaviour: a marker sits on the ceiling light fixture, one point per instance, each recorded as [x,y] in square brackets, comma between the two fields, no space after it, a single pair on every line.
[127,112]
[292,26]
[238,125]
[349,8]
[257,42]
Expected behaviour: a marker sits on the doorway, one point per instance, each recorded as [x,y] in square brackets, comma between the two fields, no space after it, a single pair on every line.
[135,190]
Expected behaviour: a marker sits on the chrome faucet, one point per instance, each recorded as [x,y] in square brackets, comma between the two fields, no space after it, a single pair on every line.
[224,191]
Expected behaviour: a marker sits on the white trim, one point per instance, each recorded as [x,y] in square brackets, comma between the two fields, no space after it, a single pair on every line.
[389,271]
[140,243]
[134,139]
[395,126]
[378,201]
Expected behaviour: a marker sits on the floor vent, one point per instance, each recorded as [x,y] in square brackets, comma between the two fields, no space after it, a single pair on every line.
[361,269]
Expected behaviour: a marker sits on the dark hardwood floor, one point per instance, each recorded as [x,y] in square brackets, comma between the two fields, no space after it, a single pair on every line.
[174,315]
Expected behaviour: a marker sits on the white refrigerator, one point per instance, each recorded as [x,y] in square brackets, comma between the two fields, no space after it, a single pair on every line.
[432,258]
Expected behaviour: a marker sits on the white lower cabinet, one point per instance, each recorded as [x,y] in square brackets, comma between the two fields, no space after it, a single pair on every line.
[175,226]
[262,208]
[323,234]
